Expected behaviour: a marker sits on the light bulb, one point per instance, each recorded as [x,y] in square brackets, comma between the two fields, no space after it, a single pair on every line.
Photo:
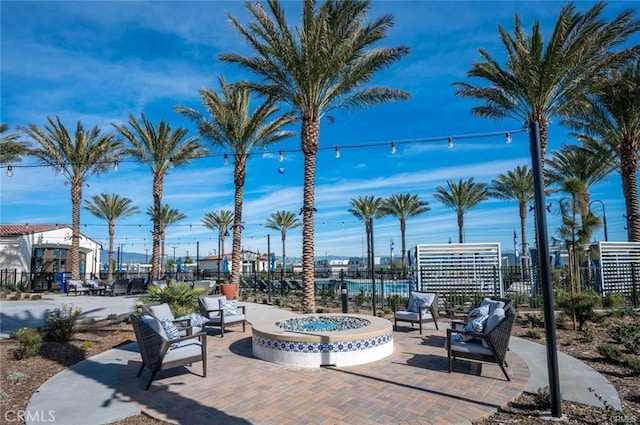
[508,138]
[281,157]
[61,170]
[9,171]
[450,142]
[393,148]
[337,153]
[115,165]
[226,159]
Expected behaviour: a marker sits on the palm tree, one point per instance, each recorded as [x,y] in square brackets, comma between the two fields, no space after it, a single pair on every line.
[165,217]
[111,208]
[516,185]
[77,158]
[610,122]
[461,197]
[160,148]
[231,126]
[366,208]
[220,221]
[334,34]
[11,149]
[403,206]
[283,221]
[540,81]
[587,166]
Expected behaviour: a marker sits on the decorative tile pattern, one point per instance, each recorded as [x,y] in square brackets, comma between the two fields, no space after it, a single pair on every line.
[330,347]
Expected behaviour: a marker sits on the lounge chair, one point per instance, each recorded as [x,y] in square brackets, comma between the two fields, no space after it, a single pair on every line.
[485,340]
[137,285]
[159,352]
[208,286]
[77,287]
[221,312]
[119,287]
[421,308]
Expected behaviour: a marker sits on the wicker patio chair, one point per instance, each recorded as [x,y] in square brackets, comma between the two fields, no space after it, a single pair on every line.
[421,308]
[211,307]
[159,353]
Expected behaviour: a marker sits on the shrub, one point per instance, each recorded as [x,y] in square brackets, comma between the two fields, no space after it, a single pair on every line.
[533,334]
[581,305]
[610,352]
[86,345]
[561,320]
[614,300]
[588,336]
[113,316]
[89,321]
[625,332]
[17,376]
[15,297]
[60,323]
[633,346]
[633,363]
[29,342]
[182,299]
[36,297]
[396,300]
[533,321]
[542,397]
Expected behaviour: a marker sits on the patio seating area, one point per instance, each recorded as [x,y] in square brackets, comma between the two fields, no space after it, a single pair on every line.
[410,386]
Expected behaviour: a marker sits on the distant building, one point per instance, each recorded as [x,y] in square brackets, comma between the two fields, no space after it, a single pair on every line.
[37,254]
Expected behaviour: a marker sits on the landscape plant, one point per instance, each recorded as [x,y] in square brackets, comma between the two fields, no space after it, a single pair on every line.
[181,297]
[60,324]
[29,341]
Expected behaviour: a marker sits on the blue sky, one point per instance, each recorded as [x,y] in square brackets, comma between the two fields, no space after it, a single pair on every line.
[99,62]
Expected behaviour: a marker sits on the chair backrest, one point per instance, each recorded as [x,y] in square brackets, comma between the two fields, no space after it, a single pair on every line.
[149,340]
[209,302]
[160,311]
[501,334]
[419,299]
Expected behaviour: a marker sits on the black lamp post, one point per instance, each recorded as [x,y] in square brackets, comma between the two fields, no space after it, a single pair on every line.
[604,217]
[545,270]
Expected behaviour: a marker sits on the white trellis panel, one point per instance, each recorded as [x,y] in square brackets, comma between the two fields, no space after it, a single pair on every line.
[620,267]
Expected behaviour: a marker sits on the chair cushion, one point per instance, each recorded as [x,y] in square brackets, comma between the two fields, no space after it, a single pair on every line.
[197,320]
[497,316]
[492,304]
[483,310]
[471,347]
[155,324]
[409,316]
[476,325]
[418,300]
[183,350]
[211,303]
[170,329]
[230,307]
[161,311]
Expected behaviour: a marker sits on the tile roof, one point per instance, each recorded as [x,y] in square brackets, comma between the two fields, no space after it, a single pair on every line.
[27,229]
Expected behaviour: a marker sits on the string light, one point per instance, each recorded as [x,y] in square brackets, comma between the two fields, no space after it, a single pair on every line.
[393,148]
[115,165]
[508,137]
[171,162]
[9,171]
[226,159]
[337,153]
[394,143]
[281,157]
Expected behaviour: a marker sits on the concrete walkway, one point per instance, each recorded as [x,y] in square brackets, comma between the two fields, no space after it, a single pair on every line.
[98,398]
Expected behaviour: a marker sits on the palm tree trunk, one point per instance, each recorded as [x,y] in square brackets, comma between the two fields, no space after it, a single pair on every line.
[157,232]
[74,254]
[112,232]
[284,236]
[523,237]
[162,257]
[240,171]
[629,168]
[460,227]
[403,229]
[310,135]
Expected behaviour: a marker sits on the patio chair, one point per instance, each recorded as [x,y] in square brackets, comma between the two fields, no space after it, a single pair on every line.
[222,312]
[485,339]
[119,287]
[137,285]
[163,312]
[209,286]
[421,308]
[77,287]
[160,353]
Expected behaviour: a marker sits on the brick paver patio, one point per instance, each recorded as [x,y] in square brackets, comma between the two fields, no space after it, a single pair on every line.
[410,386]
